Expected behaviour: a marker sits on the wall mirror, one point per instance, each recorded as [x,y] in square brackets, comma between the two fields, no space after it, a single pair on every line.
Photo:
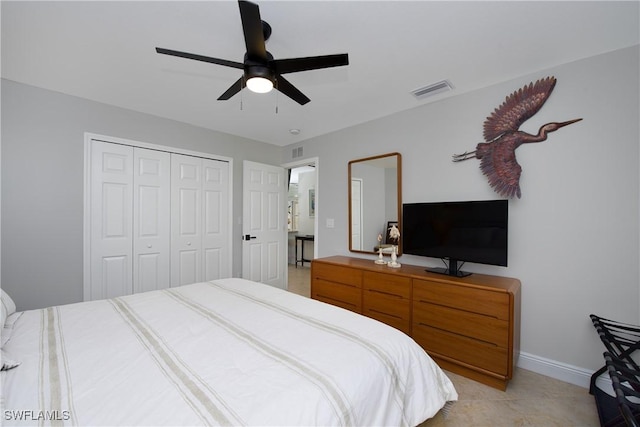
[375,201]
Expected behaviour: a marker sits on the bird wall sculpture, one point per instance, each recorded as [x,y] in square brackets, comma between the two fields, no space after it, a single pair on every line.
[502,135]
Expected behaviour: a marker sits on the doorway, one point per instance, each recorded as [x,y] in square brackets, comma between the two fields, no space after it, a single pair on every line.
[302,222]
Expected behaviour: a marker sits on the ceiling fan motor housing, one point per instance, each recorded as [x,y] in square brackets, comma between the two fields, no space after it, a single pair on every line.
[258,68]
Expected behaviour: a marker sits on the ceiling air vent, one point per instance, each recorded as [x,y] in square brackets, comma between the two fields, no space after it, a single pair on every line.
[433,89]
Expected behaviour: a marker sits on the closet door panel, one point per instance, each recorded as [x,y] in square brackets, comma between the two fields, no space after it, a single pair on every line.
[216,235]
[111,220]
[152,238]
[154,219]
[186,219]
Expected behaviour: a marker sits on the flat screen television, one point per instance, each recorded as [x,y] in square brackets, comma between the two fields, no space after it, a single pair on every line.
[468,231]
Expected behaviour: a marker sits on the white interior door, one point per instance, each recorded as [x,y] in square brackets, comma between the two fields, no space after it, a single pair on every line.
[216,233]
[111,220]
[264,224]
[151,219]
[186,219]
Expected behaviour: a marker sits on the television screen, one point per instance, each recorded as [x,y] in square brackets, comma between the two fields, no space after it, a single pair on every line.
[473,231]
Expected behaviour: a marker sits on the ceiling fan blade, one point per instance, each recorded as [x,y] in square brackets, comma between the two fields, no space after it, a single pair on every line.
[252,28]
[284,86]
[235,88]
[200,58]
[283,66]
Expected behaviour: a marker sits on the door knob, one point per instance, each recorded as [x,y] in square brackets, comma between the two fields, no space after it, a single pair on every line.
[248,237]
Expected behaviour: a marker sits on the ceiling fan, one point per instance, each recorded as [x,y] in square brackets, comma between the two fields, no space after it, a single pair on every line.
[261,72]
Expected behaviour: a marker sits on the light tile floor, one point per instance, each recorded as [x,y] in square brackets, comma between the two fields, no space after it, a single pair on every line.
[300,280]
[530,399]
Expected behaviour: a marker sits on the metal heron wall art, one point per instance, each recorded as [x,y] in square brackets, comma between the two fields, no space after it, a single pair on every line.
[502,135]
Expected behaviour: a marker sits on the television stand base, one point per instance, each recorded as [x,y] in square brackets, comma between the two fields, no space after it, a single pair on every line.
[446,271]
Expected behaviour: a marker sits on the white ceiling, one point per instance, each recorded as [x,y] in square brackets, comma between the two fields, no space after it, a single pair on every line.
[105,51]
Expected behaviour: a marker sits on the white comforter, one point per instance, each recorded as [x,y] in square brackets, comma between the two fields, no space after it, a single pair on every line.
[227,352]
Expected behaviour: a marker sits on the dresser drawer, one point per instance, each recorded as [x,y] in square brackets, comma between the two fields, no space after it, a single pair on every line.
[472,352]
[393,311]
[487,302]
[387,284]
[338,274]
[464,323]
[471,325]
[341,295]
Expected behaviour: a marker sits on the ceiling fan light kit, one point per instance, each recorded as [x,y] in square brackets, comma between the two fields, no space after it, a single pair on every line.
[261,72]
[259,85]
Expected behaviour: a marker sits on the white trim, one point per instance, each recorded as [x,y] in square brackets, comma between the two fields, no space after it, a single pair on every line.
[561,371]
[88,137]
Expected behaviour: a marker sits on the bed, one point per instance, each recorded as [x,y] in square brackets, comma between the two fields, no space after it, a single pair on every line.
[225,352]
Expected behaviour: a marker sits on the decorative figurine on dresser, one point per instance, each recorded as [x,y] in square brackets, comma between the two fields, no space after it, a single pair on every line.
[394,234]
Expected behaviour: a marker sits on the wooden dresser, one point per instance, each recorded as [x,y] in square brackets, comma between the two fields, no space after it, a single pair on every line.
[469,325]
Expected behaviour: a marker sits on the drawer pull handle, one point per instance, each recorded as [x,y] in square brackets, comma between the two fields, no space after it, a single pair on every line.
[460,335]
[385,293]
[335,299]
[459,309]
[386,314]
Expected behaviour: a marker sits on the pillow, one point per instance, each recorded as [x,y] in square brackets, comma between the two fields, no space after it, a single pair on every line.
[7,307]
[8,327]
[7,362]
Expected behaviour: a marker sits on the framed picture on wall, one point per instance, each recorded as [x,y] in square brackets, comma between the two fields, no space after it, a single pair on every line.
[312,202]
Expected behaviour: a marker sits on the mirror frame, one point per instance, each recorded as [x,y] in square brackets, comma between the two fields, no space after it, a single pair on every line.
[399,196]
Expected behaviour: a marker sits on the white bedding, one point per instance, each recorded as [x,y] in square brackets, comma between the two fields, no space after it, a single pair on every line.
[227,352]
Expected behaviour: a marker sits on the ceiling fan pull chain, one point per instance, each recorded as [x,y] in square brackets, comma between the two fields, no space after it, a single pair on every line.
[277,97]
[244,83]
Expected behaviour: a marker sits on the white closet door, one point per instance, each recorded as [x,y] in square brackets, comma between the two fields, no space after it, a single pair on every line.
[111,220]
[151,219]
[186,219]
[216,257]
[154,219]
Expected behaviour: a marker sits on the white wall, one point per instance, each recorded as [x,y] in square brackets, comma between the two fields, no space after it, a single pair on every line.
[574,235]
[42,183]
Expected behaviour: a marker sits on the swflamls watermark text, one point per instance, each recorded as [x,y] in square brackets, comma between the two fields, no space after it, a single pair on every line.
[31,415]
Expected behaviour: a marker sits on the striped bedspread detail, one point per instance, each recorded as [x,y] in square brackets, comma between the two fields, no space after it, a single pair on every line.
[199,395]
[228,352]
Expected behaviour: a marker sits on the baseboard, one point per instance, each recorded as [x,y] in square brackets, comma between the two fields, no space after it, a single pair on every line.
[561,371]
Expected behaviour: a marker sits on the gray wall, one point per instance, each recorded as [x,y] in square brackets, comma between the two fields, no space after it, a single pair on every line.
[573,237]
[42,183]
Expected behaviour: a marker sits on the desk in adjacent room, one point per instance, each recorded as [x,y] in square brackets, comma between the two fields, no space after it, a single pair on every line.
[304,238]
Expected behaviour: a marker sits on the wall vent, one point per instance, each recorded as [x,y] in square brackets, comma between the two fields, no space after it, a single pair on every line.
[433,89]
[296,152]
